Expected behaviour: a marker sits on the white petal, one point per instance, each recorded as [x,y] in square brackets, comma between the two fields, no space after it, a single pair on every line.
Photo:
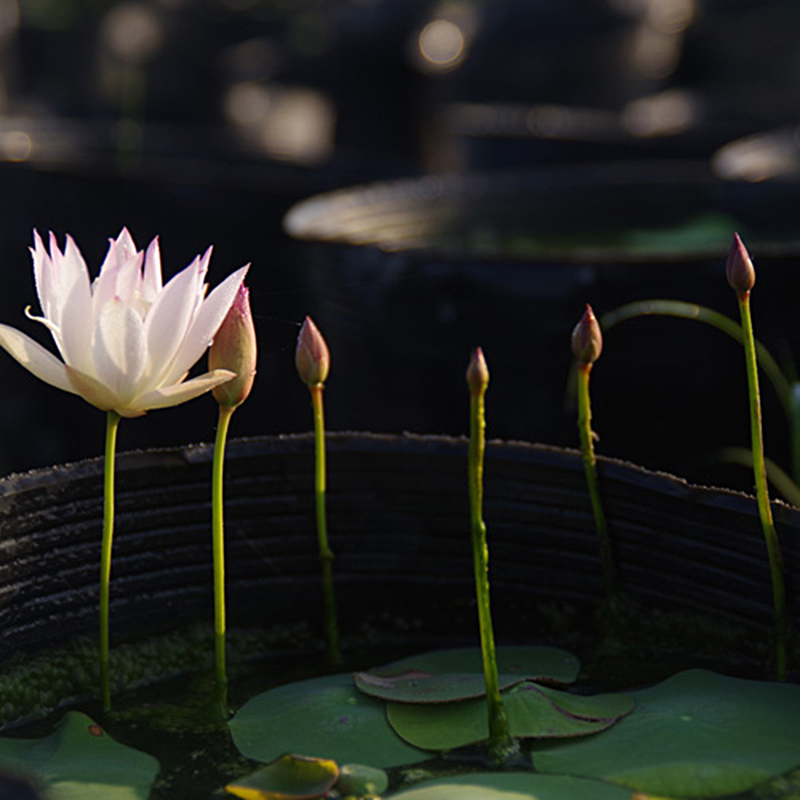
[75,310]
[42,363]
[119,350]
[153,282]
[91,390]
[75,342]
[169,318]
[179,393]
[104,287]
[210,316]
[120,274]
[42,269]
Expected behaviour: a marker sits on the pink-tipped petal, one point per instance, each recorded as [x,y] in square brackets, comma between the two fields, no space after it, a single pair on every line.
[169,317]
[153,281]
[42,363]
[210,316]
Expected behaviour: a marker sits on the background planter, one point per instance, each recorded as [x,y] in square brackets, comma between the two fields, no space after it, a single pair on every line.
[410,275]
[399,528]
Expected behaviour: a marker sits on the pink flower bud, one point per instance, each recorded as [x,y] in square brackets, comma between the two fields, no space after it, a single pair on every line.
[587,339]
[234,348]
[477,372]
[312,358]
[739,268]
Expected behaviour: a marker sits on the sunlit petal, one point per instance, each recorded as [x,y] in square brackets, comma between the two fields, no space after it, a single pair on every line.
[119,350]
[42,268]
[201,332]
[127,340]
[170,316]
[178,393]
[93,391]
[75,339]
[35,358]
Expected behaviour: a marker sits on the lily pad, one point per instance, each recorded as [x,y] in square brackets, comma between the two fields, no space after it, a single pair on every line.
[358,779]
[80,761]
[697,734]
[290,777]
[322,717]
[447,676]
[533,712]
[513,786]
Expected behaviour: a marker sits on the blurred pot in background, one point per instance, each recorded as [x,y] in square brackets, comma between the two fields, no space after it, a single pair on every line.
[406,277]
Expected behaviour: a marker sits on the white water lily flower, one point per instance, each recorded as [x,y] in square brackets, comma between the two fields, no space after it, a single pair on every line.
[127,341]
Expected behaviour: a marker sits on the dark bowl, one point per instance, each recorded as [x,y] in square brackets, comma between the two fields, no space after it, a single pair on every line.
[399,527]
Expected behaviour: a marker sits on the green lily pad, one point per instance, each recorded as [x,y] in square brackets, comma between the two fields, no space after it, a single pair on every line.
[589,707]
[290,777]
[323,717]
[513,786]
[80,761]
[356,780]
[533,712]
[447,676]
[697,734]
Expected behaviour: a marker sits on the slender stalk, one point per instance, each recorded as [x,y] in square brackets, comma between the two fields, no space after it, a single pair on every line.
[332,652]
[794,427]
[112,425]
[762,493]
[218,544]
[500,742]
[590,467]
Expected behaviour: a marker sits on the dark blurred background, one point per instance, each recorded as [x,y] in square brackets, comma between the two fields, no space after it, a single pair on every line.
[205,121]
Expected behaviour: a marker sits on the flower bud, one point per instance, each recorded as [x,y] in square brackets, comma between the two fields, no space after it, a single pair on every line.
[739,268]
[587,339]
[312,358]
[477,372]
[234,348]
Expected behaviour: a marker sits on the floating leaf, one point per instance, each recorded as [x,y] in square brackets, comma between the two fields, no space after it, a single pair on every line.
[697,734]
[290,777]
[323,717]
[446,676]
[533,712]
[358,779]
[514,786]
[80,761]
[590,707]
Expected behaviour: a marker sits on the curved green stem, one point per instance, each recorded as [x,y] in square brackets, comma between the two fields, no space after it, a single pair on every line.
[112,425]
[675,308]
[762,494]
[590,468]
[780,481]
[500,741]
[332,652]
[218,546]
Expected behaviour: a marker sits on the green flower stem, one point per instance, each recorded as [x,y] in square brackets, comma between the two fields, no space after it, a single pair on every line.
[760,474]
[218,544]
[112,425]
[675,308]
[500,742]
[332,652]
[590,467]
